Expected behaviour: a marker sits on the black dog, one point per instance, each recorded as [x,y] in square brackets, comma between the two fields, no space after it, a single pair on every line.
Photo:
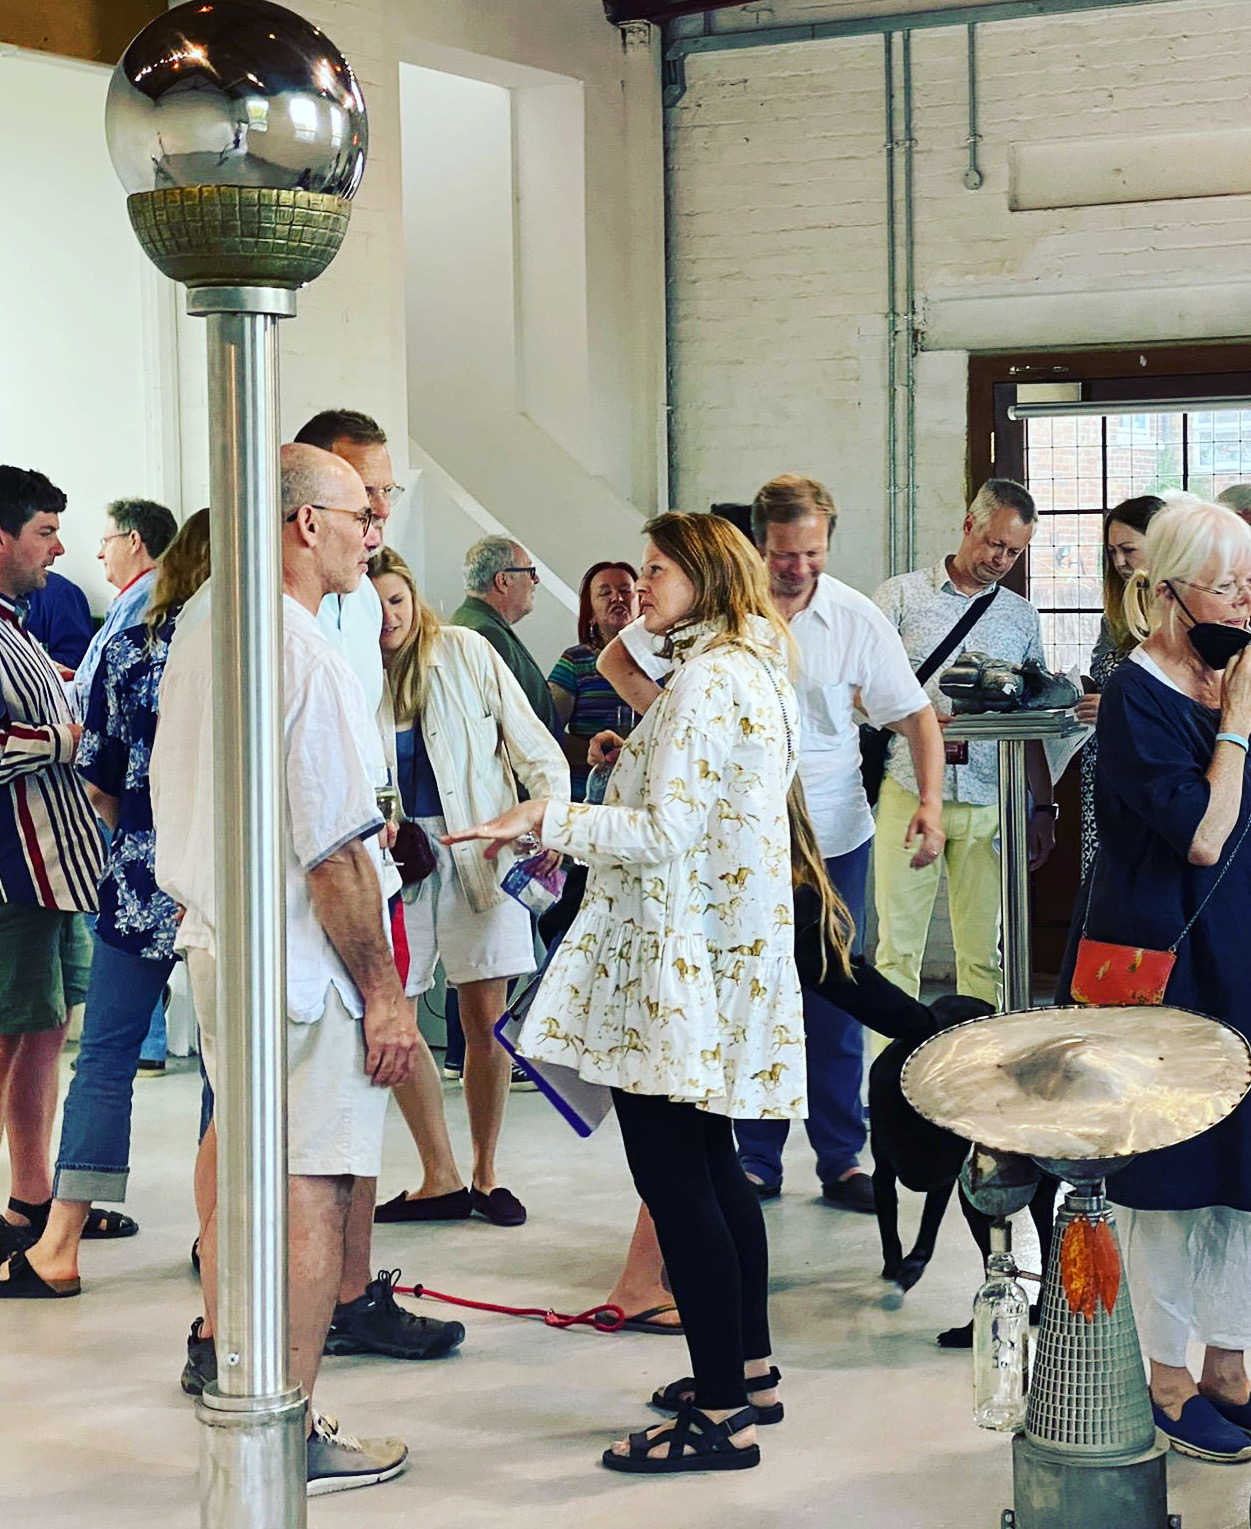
[909,1150]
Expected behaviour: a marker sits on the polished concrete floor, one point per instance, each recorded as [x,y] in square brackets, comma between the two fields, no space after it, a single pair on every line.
[877,1433]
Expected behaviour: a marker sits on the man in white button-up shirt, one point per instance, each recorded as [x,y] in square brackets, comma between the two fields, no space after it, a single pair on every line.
[851,655]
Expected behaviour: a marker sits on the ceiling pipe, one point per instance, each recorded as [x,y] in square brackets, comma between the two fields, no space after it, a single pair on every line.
[620,11]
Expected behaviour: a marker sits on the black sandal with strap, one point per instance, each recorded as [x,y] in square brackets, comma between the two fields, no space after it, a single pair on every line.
[695,1443]
[102,1225]
[671,1398]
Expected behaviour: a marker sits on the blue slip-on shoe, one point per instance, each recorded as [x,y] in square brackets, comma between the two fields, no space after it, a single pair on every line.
[1239,1414]
[1201,1431]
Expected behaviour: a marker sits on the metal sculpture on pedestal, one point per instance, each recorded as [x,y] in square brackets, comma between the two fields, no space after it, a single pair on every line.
[1081,1091]
[239,131]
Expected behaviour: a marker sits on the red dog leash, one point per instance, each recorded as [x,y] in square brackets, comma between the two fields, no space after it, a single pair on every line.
[603,1319]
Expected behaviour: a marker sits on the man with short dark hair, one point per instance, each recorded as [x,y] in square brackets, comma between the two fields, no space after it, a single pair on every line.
[51,857]
[1237,497]
[924,607]
[500,585]
[136,534]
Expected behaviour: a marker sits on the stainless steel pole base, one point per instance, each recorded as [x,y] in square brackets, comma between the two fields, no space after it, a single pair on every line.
[251,1450]
[1053,1493]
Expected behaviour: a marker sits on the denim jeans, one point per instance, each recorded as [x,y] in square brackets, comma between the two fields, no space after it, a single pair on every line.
[835,1055]
[94,1158]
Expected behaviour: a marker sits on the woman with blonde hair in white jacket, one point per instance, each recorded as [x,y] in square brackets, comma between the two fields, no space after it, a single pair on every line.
[465,737]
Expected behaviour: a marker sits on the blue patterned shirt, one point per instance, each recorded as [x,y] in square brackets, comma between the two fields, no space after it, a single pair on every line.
[135,915]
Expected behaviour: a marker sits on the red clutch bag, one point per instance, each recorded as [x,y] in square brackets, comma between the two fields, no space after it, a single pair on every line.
[1120,974]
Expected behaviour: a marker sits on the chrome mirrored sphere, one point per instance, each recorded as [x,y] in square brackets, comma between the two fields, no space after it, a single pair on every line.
[236,93]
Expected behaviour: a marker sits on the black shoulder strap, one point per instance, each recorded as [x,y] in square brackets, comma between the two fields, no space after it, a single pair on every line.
[956,636]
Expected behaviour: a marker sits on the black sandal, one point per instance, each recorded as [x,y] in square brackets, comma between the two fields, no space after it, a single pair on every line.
[101,1225]
[671,1399]
[36,1216]
[708,1442]
[23,1284]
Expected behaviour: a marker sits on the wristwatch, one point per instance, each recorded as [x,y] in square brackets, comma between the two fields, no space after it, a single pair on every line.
[1051,808]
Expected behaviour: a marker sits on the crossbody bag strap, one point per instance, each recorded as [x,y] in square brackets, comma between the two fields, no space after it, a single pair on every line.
[1212,889]
[786,723]
[1194,917]
[972,615]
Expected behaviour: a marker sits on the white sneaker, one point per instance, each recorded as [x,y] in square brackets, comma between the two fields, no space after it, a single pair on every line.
[337,1462]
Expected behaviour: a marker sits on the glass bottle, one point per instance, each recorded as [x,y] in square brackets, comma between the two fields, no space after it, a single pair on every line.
[1000,1340]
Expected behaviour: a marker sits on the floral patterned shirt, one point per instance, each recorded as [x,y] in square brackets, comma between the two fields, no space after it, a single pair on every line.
[116,747]
[678,975]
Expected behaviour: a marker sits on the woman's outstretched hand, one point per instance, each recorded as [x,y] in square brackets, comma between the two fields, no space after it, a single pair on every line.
[524,818]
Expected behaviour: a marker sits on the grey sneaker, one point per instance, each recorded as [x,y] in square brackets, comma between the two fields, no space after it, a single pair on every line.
[337,1462]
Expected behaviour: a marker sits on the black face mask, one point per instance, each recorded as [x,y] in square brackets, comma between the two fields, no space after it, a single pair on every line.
[1215,643]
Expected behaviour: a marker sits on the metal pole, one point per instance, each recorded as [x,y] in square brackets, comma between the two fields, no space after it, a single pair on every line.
[1014,875]
[252,1455]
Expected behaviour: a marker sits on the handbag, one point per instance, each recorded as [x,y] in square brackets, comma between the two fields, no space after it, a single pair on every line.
[1107,973]
[875,742]
[413,853]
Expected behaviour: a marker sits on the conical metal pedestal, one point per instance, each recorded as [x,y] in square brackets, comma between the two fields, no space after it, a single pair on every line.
[1091,1456]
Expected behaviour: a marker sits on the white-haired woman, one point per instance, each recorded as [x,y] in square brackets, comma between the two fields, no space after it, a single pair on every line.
[1171,807]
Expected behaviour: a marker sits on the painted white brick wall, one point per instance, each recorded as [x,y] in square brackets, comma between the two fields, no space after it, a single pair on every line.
[777,277]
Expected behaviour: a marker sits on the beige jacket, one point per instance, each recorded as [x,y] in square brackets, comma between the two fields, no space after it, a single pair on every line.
[483,738]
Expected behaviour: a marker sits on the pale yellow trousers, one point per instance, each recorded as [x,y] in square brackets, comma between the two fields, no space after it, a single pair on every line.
[905,898]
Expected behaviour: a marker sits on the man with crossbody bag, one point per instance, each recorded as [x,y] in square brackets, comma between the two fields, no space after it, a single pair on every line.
[928,608]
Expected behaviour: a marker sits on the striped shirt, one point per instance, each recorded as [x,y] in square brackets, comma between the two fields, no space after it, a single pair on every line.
[51,853]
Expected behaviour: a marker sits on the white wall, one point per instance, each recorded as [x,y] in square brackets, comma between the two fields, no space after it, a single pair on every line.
[80,313]
[777,271]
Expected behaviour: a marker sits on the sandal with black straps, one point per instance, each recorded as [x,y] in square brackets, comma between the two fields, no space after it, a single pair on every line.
[695,1443]
[100,1225]
[679,1393]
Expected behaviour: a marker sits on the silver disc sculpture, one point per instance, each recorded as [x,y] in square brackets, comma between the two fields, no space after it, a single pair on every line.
[1081,1091]
[239,131]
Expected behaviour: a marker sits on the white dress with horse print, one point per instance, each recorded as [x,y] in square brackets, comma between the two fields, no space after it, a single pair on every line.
[678,975]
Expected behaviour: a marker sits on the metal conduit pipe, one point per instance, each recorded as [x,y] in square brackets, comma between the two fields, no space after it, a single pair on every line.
[909,532]
[892,308]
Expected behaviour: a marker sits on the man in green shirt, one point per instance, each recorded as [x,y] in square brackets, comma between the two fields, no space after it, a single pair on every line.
[500,584]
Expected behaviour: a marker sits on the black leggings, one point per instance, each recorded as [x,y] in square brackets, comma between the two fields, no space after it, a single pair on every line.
[711,1234]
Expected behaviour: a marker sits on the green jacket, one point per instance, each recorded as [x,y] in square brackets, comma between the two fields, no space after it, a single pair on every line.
[482,618]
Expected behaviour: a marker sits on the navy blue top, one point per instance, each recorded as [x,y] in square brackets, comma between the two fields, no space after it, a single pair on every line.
[419,791]
[59,619]
[114,755]
[1151,792]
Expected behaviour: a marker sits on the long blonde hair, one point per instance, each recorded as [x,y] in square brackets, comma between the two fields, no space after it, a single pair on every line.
[183,567]
[408,667]
[729,576]
[1182,540]
[808,870]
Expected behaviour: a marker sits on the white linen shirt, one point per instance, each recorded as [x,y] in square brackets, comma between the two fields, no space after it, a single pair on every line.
[483,737]
[923,606]
[846,644]
[329,797]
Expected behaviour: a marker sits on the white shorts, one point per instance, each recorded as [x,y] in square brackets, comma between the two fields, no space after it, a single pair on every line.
[440,924]
[335,1115]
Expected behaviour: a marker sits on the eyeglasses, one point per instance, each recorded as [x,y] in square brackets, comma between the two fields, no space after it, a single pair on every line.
[105,540]
[365,519]
[1229,590]
[532,571]
[391,493]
